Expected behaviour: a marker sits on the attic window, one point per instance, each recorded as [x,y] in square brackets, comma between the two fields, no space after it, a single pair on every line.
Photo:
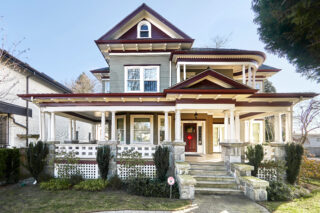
[144,29]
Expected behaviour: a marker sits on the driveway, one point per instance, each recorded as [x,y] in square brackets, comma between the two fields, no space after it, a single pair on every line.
[226,204]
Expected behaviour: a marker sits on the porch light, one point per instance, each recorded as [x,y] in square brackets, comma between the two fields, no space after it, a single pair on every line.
[196,115]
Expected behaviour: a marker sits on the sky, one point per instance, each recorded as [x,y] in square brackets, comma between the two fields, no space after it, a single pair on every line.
[60,34]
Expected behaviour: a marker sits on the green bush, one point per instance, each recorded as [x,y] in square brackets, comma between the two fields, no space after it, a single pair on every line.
[103,158]
[115,182]
[92,185]
[279,191]
[161,161]
[151,188]
[36,155]
[294,154]
[75,179]
[255,156]
[56,184]
[9,165]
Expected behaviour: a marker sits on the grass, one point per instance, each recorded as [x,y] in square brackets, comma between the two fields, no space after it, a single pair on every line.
[32,199]
[309,204]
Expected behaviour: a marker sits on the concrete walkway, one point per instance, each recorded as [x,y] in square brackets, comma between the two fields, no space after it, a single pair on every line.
[226,204]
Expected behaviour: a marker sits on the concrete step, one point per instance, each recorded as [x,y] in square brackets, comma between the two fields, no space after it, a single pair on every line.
[207,172]
[203,177]
[219,163]
[208,167]
[217,191]
[217,184]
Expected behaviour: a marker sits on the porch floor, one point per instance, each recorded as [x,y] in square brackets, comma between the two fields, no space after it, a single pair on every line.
[215,157]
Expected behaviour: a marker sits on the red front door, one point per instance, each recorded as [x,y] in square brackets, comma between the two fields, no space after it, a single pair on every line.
[190,137]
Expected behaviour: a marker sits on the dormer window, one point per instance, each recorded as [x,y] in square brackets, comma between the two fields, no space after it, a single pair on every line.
[144,29]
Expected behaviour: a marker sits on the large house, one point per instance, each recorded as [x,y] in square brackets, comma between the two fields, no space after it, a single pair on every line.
[19,119]
[159,89]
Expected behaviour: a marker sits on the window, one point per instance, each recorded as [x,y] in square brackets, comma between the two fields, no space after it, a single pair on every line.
[121,128]
[106,86]
[161,129]
[141,128]
[142,79]
[144,29]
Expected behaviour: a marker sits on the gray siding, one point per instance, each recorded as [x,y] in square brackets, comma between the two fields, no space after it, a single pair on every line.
[117,69]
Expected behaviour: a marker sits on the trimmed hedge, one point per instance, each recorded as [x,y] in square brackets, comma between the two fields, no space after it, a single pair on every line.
[9,165]
[161,161]
[294,153]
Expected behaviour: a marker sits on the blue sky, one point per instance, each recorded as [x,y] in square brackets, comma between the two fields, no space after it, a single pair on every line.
[60,34]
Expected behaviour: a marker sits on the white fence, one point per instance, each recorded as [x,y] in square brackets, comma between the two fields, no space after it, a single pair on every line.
[146,151]
[82,151]
[268,174]
[88,170]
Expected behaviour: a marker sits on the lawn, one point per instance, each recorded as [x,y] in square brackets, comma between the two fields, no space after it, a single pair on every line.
[32,199]
[310,204]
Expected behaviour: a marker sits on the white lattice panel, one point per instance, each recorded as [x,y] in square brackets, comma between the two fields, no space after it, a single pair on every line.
[146,151]
[268,174]
[84,151]
[147,170]
[88,170]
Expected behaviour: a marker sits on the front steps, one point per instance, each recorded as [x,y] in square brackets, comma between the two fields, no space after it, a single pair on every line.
[213,178]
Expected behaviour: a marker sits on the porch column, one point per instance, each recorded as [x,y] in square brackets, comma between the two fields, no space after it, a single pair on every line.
[74,130]
[70,130]
[280,128]
[49,126]
[251,131]
[249,76]
[113,126]
[226,124]
[103,126]
[276,128]
[254,79]
[166,126]
[178,126]
[52,127]
[178,72]
[232,132]
[184,72]
[237,127]
[42,126]
[93,132]
[243,74]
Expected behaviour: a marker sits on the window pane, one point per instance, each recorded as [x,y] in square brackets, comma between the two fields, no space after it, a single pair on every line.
[150,74]
[133,74]
[142,129]
[150,86]
[144,27]
[162,130]
[107,86]
[133,85]
[144,34]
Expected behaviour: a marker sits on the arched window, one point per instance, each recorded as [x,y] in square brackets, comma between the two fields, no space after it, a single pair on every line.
[144,29]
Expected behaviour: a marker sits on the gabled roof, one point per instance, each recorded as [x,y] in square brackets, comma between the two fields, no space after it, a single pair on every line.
[211,80]
[268,68]
[142,9]
[36,73]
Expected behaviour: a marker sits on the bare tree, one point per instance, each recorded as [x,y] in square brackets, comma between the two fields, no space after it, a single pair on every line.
[220,41]
[308,118]
[83,84]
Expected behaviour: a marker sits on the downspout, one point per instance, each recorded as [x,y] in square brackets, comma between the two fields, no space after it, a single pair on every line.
[16,123]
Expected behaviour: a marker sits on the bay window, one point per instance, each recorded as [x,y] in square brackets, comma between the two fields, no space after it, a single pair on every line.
[142,79]
[141,128]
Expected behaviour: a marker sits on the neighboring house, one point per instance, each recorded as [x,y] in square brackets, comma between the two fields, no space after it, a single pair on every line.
[157,88]
[19,119]
[312,145]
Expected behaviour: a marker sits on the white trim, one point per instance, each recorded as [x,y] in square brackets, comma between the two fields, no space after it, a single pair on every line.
[169,118]
[144,22]
[124,128]
[141,54]
[141,68]
[221,134]
[110,108]
[132,117]
[217,63]
[205,106]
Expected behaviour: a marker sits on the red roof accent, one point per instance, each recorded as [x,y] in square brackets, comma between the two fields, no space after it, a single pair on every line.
[284,95]
[156,33]
[133,14]
[182,85]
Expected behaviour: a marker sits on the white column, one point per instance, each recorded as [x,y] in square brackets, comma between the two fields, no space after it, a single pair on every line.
[226,125]
[243,74]
[74,129]
[42,126]
[178,72]
[93,132]
[251,131]
[237,127]
[49,127]
[249,76]
[103,126]
[280,128]
[113,125]
[178,126]
[52,127]
[70,130]
[166,126]
[276,128]
[254,78]
[232,132]
[184,72]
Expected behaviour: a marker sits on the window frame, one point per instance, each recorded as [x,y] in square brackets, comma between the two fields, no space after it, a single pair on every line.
[141,70]
[104,81]
[144,22]
[159,123]
[124,128]
[132,117]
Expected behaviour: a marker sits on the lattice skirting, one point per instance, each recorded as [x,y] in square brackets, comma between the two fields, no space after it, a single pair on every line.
[88,170]
[268,174]
[148,170]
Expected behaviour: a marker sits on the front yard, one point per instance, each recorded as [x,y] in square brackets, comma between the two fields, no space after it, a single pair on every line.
[32,199]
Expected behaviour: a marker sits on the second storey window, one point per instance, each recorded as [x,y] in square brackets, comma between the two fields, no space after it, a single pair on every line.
[142,79]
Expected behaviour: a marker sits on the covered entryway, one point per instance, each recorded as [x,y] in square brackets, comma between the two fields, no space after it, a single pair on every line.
[190,136]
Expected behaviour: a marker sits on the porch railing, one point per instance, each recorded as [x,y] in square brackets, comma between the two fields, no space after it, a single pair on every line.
[82,151]
[145,150]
